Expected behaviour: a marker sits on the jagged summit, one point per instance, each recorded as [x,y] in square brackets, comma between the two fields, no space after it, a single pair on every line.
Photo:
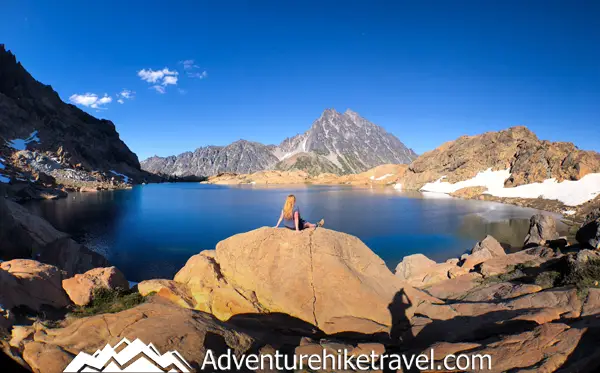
[339,143]
[349,141]
[241,156]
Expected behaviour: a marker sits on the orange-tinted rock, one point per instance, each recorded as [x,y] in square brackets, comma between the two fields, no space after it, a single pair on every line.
[25,282]
[81,288]
[487,249]
[529,159]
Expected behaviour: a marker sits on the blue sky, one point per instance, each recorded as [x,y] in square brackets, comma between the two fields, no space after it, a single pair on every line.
[427,71]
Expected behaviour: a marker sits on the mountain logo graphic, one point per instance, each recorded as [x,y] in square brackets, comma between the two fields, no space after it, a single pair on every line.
[133,356]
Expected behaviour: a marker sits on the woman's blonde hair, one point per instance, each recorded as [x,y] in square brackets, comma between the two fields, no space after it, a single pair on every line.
[288,207]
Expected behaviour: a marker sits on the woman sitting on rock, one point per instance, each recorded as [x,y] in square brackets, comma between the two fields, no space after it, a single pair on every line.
[291,216]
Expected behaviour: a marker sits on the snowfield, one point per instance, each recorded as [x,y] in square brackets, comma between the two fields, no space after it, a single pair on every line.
[571,193]
[125,177]
[21,144]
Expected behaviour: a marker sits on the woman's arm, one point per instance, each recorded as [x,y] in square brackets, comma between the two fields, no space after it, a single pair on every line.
[280,219]
[297,220]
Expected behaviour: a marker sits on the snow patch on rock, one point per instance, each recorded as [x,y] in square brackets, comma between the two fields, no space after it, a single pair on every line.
[569,192]
[383,177]
[125,177]
[435,195]
[21,144]
[487,178]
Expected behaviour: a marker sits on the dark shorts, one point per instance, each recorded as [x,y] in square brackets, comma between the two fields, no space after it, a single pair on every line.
[300,225]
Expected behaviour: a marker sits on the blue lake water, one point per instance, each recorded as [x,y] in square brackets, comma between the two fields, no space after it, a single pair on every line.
[151,230]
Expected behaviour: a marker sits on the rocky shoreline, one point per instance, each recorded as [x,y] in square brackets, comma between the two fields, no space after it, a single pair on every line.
[38,175]
[390,176]
[273,290]
[510,166]
[534,308]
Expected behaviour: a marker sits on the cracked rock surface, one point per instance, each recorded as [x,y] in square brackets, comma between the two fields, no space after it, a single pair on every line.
[329,279]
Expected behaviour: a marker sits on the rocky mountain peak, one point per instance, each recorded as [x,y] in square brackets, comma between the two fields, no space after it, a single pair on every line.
[241,156]
[521,132]
[516,149]
[34,110]
[17,83]
[337,143]
[328,114]
[351,113]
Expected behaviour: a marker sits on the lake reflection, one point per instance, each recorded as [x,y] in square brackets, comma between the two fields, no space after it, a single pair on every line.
[151,231]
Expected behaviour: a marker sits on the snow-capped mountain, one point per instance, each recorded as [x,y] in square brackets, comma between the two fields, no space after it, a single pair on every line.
[349,141]
[339,143]
[134,356]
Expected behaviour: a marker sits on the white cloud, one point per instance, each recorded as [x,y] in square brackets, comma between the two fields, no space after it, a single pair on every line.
[105,100]
[85,99]
[153,76]
[158,88]
[182,91]
[189,65]
[193,70]
[198,75]
[159,78]
[90,100]
[126,93]
[120,101]
[169,80]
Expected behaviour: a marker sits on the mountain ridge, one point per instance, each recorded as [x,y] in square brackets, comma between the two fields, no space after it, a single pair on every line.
[338,143]
[29,105]
[48,145]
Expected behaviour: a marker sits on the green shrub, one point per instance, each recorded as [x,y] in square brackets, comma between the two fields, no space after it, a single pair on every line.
[583,275]
[109,301]
[512,274]
[547,279]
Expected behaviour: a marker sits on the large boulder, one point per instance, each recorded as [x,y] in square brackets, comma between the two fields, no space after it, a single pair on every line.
[484,250]
[31,284]
[165,326]
[25,236]
[412,265]
[419,271]
[23,233]
[545,348]
[542,228]
[326,278]
[81,288]
[589,233]
[529,257]
[464,320]
[71,257]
